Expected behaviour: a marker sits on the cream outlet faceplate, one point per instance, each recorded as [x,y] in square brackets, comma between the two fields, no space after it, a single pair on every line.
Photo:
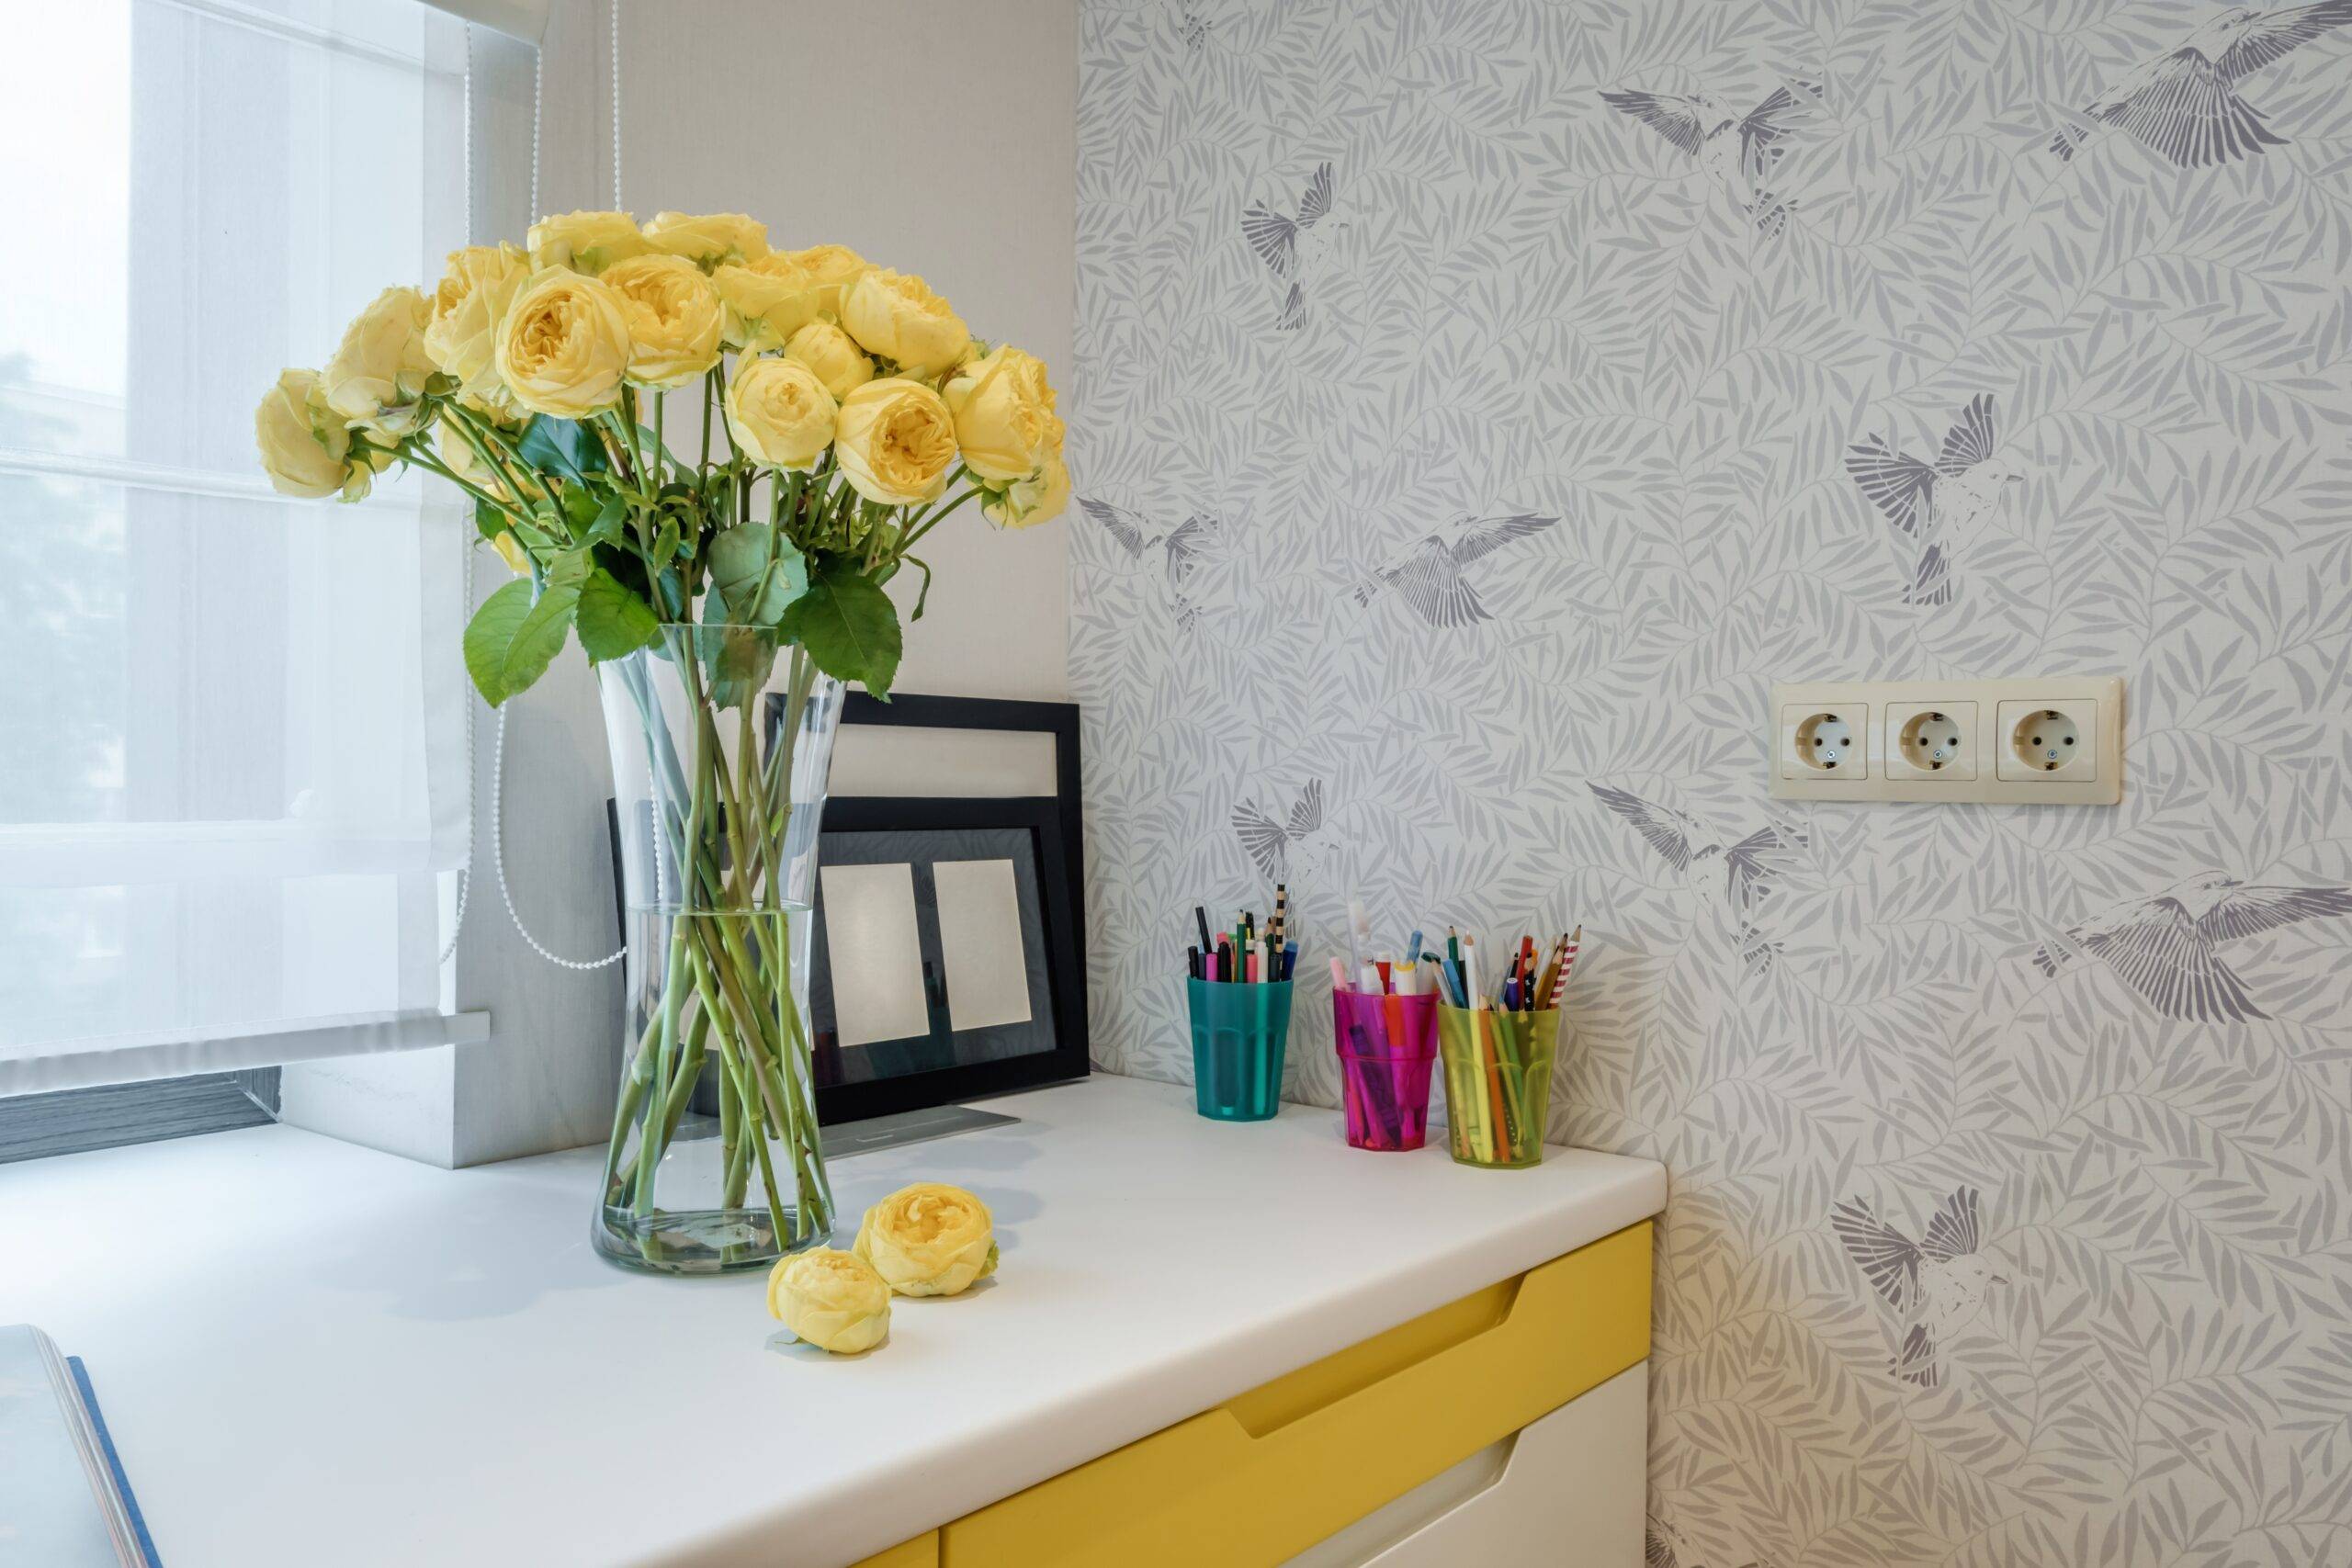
[2056,740]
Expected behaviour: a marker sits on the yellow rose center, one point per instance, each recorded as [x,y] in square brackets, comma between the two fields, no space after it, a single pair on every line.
[912,440]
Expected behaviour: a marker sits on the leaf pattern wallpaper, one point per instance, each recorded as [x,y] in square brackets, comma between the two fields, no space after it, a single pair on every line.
[1484,400]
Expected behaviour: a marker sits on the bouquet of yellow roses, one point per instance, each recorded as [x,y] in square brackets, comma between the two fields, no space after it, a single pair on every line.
[846,411]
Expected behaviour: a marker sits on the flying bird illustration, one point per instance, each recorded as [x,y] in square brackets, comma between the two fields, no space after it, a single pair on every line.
[1429,575]
[1933,505]
[1687,845]
[1297,845]
[1740,153]
[2162,946]
[1284,245]
[2185,105]
[1936,1282]
[1184,547]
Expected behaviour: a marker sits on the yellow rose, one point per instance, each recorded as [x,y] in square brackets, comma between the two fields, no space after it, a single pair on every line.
[1024,503]
[709,238]
[673,318]
[834,268]
[461,319]
[585,242]
[930,1239]
[833,1300]
[1004,414]
[778,412]
[827,350]
[895,442]
[564,345]
[767,300]
[897,317]
[376,380]
[305,449]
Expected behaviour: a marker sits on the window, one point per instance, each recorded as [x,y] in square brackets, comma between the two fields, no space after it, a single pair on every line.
[233,787]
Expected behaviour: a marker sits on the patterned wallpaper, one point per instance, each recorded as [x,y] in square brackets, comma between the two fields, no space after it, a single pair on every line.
[1480,402]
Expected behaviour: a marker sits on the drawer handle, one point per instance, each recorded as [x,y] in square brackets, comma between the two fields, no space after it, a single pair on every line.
[1292,1398]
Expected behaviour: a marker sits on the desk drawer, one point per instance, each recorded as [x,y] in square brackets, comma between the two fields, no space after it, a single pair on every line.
[1266,1475]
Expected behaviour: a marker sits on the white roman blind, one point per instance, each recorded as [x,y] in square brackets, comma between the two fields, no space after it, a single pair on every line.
[232,754]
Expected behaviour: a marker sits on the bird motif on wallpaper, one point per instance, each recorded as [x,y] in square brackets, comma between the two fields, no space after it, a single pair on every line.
[1290,247]
[1738,154]
[2164,946]
[1936,1282]
[1427,576]
[1934,505]
[1183,547]
[1688,846]
[1298,846]
[2185,105]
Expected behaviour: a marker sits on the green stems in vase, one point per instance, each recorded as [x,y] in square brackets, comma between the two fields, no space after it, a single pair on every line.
[718,835]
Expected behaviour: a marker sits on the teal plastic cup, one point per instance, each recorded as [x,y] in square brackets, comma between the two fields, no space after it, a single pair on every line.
[1238,1035]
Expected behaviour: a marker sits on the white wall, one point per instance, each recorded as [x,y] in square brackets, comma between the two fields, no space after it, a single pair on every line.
[937,138]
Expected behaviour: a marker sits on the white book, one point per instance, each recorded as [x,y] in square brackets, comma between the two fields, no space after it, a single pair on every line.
[62,1502]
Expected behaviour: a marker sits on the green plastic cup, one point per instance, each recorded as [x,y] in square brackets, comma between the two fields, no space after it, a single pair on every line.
[1238,1035]
[1497,1083]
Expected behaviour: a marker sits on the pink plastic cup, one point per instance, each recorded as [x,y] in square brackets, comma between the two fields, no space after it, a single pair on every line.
[1386,1045]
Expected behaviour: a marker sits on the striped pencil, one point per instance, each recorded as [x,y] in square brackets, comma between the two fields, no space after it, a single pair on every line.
[1568,962]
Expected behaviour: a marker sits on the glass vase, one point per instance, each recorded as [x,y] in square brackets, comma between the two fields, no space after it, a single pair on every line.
[716,814]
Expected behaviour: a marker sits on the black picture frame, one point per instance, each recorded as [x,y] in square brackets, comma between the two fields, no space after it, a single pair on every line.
[1057,824]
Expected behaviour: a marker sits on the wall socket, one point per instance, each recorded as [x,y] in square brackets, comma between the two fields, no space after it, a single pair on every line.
[2057,741]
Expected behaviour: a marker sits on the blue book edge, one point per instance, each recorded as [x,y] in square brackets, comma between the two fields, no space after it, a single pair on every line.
[114,1460]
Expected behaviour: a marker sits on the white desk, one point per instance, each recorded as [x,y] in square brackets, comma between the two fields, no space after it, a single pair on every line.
[310,1353]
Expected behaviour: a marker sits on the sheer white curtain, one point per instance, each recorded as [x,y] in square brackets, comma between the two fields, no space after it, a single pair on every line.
[233,755]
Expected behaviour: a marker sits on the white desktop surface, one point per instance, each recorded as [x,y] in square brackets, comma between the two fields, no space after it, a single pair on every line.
[313,1353]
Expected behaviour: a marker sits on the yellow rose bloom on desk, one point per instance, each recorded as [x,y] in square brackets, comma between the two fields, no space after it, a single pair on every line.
[930,1239]
[832,1299]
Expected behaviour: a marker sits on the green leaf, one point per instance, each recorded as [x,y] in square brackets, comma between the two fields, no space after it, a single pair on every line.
[563,447]
[489,636]
[489,521]
[848,626]
[612,622]
[758,574]
[539,638]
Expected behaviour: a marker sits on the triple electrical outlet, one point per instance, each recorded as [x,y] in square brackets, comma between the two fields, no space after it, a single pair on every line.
[2058,741]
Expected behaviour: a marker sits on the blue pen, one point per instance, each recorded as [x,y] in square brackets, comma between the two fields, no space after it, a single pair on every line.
[1290,958]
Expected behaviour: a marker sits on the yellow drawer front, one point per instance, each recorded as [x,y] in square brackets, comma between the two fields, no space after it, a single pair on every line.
[1266,1475]
[921,1553]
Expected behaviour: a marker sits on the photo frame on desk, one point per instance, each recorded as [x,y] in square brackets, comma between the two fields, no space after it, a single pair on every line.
[947,963]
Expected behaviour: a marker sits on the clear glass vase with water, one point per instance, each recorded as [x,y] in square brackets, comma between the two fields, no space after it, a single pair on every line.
[714,1163]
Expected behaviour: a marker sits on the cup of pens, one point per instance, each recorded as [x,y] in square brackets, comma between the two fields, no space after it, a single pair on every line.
[1238,990]
[1387,1044]
[1498,1082]
[1499,1051]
